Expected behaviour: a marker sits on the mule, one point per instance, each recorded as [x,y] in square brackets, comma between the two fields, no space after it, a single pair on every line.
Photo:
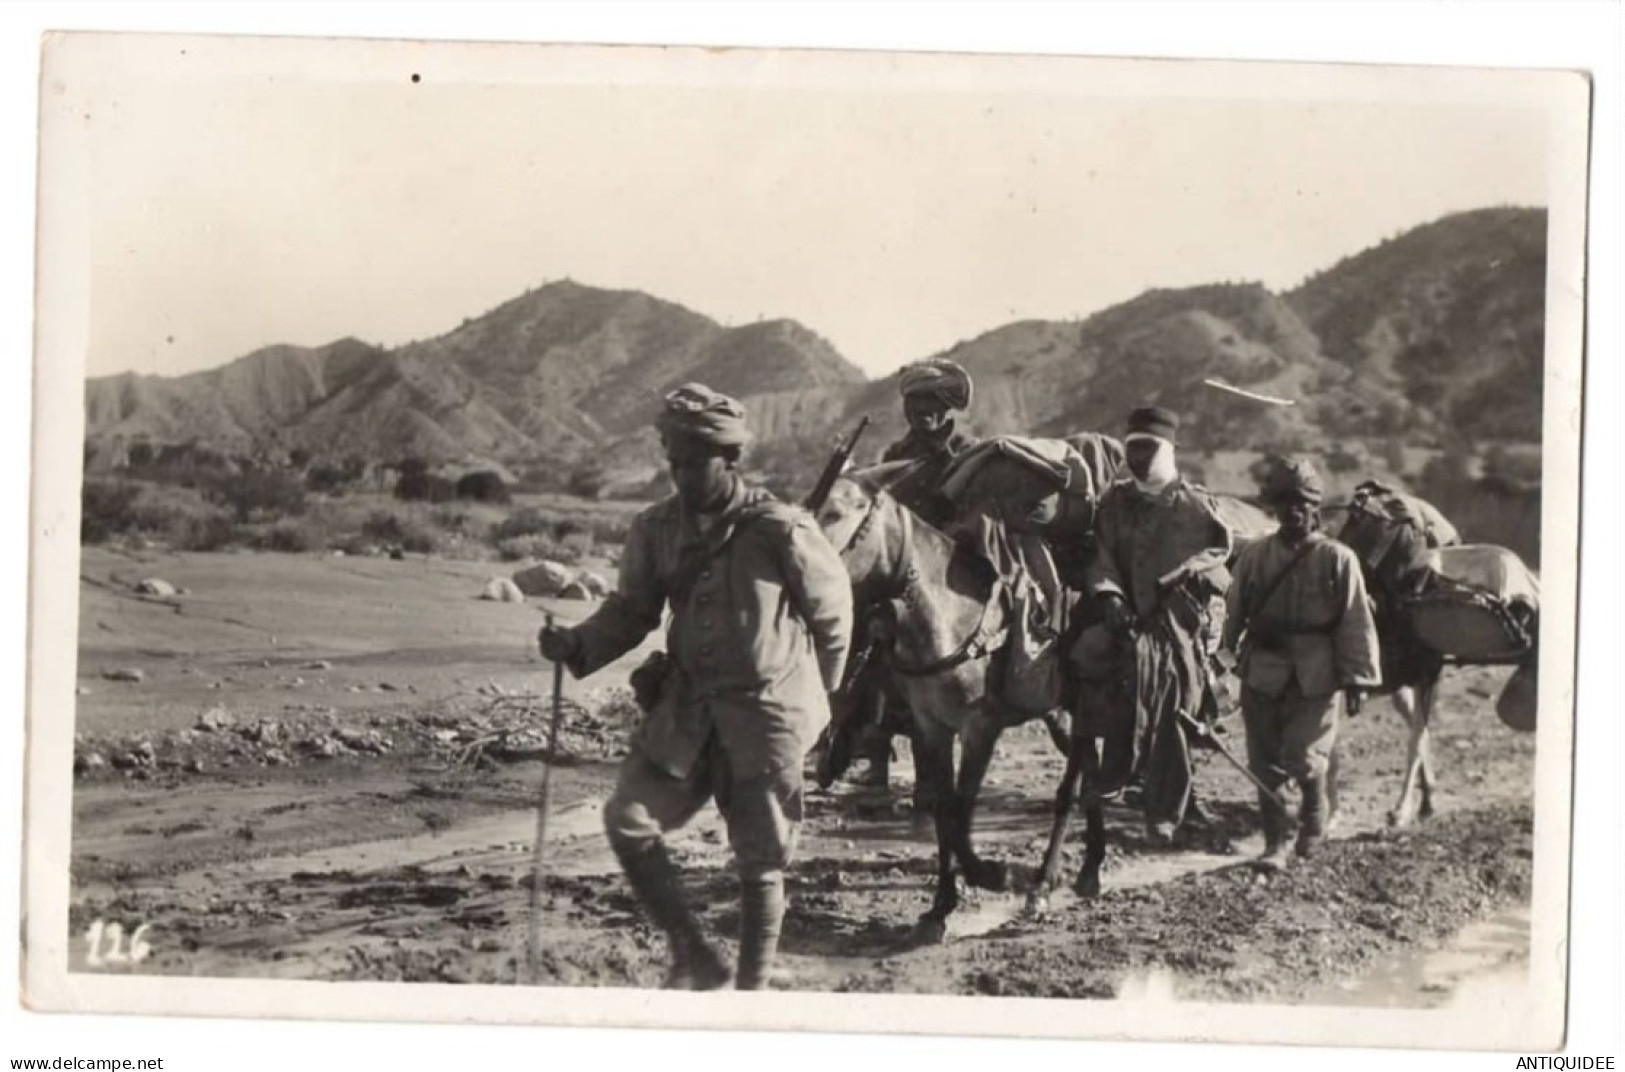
[949,619]
[1399,550]
[1392,558]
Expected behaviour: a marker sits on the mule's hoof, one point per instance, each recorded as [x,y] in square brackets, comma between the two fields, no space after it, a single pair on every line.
[990,875]
[1037,905]
[1399,820]
[1426,810]
[1088,885]
[930,931]
[706,970]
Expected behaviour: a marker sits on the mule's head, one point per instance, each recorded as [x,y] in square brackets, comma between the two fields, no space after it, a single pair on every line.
[855,518]
[844,509]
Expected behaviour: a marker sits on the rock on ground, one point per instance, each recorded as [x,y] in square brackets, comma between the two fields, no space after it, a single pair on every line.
[155,586]
[215,718]
[502,590]
[543,579]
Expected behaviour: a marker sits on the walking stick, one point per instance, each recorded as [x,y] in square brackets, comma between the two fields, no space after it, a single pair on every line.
[534,946]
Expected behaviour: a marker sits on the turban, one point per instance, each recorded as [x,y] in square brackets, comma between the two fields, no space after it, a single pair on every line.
[1293,479]
[1154,421]
[939,377]
[696,411]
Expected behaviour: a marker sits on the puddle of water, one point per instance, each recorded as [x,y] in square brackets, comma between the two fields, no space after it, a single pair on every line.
[991,912]
[575,846]
[1486,959]
[1486,964]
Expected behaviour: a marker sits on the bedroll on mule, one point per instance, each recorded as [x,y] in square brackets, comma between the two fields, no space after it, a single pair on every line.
[1481,606]
[1005,476]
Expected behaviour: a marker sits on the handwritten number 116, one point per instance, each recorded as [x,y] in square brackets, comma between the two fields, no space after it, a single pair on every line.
[108,946]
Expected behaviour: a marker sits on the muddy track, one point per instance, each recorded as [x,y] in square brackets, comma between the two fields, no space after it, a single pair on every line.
[385,833]
[390,871]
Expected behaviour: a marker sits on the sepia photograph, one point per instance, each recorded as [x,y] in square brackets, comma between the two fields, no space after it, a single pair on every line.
[1018,545]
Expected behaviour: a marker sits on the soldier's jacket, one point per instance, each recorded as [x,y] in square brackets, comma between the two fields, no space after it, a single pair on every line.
[1141,540]
[1316,625]
[761,621]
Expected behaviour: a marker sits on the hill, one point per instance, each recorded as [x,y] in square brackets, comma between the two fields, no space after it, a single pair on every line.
[1058,378]
[557,373]
[1429,341]
[1450,314]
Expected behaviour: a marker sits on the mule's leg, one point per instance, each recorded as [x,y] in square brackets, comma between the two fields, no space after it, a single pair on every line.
[978,737]
[934,762]
[1059,723]
[1426,695]
[1065,797]
[1094,848]
[1405,701]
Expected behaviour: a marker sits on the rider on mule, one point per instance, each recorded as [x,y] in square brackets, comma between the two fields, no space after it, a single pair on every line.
[1157,570]
[761,617]
[932,391]
[1307,645]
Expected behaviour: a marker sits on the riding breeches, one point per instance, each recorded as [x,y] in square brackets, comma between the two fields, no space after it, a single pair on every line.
[763,815]
[1290,736]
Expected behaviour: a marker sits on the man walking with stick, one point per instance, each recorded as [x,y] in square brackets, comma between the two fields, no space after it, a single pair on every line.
[761,620]
[1299,618]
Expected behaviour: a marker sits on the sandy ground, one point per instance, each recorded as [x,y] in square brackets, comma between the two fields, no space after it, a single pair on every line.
[330,770]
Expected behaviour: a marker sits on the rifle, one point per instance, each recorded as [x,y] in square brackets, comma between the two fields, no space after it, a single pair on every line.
[832,471]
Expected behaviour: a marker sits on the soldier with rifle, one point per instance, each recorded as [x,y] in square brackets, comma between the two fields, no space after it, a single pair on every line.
[761,610]
[932,391]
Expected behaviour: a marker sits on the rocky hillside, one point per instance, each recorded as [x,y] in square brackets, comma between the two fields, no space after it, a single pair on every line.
[1427,341]
[1451,315]
[1059,378]
[558,373]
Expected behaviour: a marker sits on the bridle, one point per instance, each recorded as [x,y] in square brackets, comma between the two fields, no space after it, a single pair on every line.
[903,586]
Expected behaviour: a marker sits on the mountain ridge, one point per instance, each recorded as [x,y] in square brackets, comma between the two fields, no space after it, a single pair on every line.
[1429,337]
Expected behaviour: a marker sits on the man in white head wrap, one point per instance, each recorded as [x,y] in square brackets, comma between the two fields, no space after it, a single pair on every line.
[1160,549]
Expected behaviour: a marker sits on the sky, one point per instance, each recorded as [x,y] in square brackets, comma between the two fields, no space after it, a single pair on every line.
[231,213]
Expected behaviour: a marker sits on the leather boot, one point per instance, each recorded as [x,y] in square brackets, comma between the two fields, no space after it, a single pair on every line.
[653,878]
[1273,820]
[761,915]
[1312,811]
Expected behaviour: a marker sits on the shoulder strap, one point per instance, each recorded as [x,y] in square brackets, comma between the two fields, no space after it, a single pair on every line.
[689,570]
[1275,582]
